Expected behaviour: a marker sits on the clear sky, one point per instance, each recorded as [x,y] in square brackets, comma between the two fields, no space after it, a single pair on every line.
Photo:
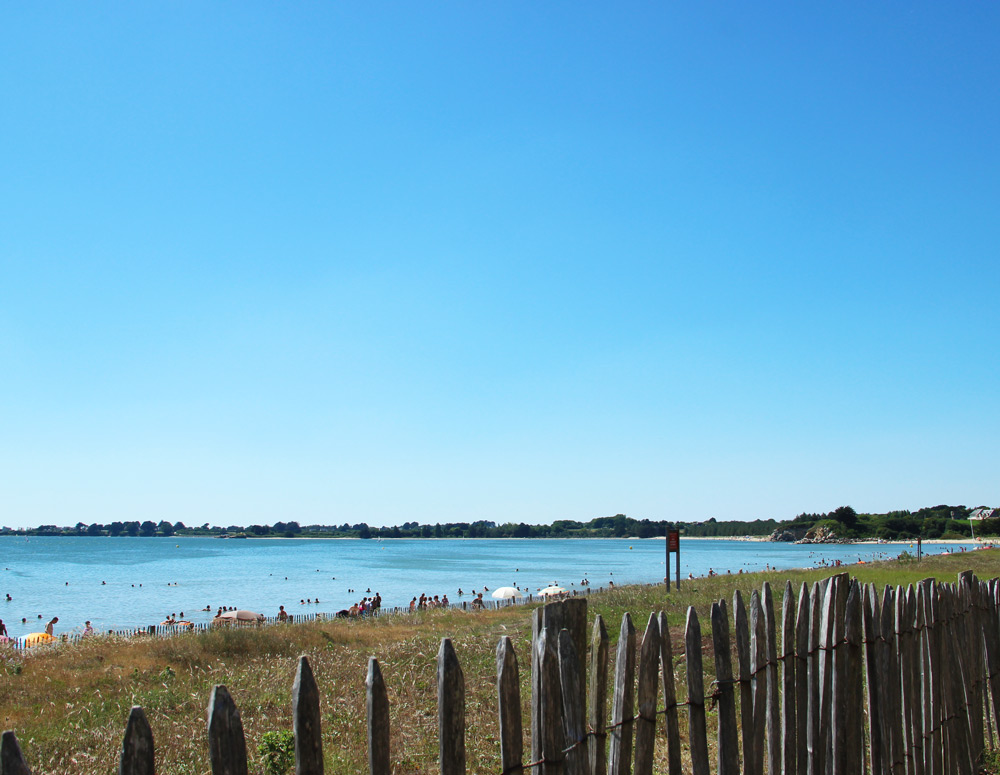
[519,261]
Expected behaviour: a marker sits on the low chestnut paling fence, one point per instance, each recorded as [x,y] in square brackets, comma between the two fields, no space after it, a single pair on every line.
[170,630]
[902,682]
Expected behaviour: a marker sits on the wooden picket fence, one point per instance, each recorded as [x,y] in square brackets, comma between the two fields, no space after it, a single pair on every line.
[902,682]
[170,631]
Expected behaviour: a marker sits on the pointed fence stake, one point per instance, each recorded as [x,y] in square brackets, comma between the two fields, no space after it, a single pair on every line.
[509,701]
[598,706]
[729,746]
[574,720]
[696,695]
[306,721]
[11,759]
[137,756]
[645,731]
[669,698]
[620,755]
[227,747]
[377,705]
[451,710]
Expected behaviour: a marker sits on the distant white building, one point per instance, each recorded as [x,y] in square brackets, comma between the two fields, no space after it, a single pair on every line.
[984,513]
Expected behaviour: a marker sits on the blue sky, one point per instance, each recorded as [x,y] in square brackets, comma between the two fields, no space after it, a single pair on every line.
[344,262]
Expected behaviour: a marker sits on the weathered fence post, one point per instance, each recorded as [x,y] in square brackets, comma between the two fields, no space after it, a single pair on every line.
[137,757]
[649,662]
[802,627]
[773,709]
[451,710]
[550,718]
[871,622]
[904,632]
[509,701]
[227,747]
[11,759]
[853,740]
[551,618]
[598,745]
[620,753]
[574,718]
[758,680]
[306,721]
[788,686]
[838,689]
[669,698]
[813,756]
[742,628]
[377,705]
[991,631]
[729,746]
[696,695]
[915,704]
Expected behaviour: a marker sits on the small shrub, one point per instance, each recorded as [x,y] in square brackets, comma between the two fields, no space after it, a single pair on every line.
[277,749]
[13,668]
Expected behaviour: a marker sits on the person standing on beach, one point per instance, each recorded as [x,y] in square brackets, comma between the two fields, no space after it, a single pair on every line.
[50,625]
[87,629]
[3,629]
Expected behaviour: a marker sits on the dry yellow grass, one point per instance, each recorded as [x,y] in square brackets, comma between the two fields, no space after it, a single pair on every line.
[68,704]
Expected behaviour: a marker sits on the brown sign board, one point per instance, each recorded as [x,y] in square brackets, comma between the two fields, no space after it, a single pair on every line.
[673,540]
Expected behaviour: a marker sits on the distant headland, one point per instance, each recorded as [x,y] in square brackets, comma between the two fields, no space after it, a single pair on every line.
[842,524]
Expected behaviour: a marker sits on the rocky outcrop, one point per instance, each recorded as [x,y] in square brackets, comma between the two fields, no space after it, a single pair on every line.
[787,535]
[821,534]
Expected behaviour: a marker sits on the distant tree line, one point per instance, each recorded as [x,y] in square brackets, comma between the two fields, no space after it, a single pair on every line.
[934,522]
[617,526]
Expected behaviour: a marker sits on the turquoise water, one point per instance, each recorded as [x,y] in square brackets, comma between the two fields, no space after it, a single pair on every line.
[147,578]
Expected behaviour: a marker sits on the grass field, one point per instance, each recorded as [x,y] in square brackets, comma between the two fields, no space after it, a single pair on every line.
[68,704]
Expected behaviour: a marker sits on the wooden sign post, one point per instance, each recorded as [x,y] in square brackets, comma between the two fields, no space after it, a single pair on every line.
[673,545]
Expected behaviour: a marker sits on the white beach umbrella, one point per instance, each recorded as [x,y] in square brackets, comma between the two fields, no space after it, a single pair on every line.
[505,593]
[552,591]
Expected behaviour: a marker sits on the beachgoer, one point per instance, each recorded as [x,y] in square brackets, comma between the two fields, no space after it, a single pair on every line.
[282,614]
[87,629]
[3,628]
[413,604]
[478,602]
[50,625]
[444,602]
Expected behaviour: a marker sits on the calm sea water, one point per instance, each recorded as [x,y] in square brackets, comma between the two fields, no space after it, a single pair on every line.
[134,582]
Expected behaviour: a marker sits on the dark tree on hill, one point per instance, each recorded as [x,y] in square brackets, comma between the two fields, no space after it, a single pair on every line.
[846,516]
